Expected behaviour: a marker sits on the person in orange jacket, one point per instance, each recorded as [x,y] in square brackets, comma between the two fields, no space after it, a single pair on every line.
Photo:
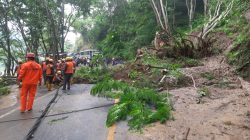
[17,71]
[68,72]
[50,74]
[44,67]
[31,75]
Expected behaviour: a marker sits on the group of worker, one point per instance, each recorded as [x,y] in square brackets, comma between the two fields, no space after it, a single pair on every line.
[30,74]
[56,73]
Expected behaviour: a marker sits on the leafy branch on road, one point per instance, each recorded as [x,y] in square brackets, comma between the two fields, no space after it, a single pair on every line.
[141,106]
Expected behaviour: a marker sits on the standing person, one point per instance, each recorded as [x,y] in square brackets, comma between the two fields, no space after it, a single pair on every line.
[68,72]
[49,74]
[44,67]
[59,65]
[17,71]
[31,75]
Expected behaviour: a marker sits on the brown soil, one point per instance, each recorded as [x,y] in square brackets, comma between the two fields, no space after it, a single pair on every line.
[224,114]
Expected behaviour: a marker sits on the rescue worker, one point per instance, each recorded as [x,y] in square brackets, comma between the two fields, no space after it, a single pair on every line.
[44,67]
[17,71]
[59,65]
[49,74]
[74,63]
[58,78]
[63,66]
[68,72]
[31,75]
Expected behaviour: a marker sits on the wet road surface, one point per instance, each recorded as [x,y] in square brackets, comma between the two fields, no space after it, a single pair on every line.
[85,125]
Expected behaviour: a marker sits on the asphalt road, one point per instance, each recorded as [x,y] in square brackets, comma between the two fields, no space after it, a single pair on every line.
[84,125]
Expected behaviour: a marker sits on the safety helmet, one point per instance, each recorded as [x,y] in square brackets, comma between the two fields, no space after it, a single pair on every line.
[47,59]
[59,61]
[63,60]
[20,62]
[68,59]
[30,55]
[59,72]
[50,60]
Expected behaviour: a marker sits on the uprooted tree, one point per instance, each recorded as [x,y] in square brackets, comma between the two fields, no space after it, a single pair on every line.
[194,44]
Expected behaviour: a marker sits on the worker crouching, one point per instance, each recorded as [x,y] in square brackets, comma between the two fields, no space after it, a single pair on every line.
[49,74]
[31,75]
[58,78]
[68,72]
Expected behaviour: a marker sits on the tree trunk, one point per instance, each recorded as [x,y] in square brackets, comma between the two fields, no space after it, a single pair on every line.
[191,6]
[205,2]
[7,39]
[174,13]
[62,26]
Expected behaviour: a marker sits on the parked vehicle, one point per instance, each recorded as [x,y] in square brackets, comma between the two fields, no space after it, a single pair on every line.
[89,53]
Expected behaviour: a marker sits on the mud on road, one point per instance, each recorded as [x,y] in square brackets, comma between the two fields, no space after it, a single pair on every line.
[222,114]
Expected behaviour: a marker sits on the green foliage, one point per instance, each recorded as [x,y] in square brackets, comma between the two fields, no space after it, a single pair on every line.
[144,81]
[238,29]
[133,74]
[154,61]
[117,112]
[204,91]
[4,91]
[141,106]
[108,87]
[97,61]
[119,32]
[92,75]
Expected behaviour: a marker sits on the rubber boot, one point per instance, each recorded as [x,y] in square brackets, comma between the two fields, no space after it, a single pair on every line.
[47,84]
[49,87]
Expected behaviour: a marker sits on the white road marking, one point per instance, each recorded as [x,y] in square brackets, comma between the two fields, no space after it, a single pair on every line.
[13,110]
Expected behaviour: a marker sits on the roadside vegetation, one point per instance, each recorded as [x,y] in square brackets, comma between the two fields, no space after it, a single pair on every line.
[151,70]
[4,90]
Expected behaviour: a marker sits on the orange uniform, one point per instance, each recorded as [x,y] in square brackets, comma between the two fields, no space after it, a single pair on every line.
[69,68]
[68,72]
[30,74]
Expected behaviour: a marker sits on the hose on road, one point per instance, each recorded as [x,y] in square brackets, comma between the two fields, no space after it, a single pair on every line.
[58,114]
[41,117]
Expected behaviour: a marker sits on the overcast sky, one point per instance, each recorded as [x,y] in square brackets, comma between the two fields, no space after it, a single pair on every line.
[71,37]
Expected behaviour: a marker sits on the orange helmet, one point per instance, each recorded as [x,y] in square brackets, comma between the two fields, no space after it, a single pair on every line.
[30,55]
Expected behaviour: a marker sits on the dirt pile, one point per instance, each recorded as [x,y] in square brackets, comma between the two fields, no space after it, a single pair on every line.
[222,114]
